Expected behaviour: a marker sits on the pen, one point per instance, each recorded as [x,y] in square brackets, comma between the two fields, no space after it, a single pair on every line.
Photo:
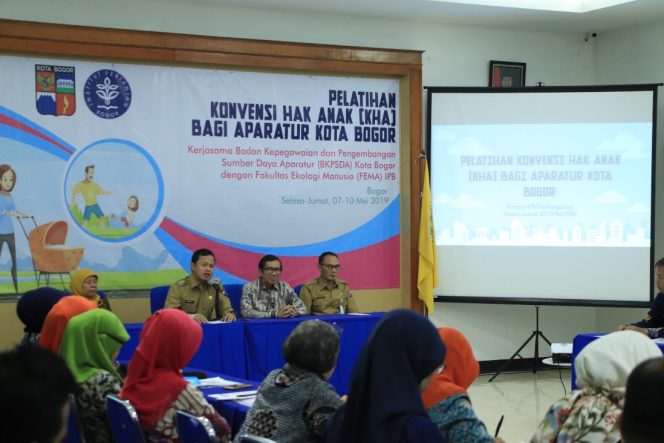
[500,423]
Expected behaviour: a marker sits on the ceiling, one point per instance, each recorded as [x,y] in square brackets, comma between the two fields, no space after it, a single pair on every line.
[615,17]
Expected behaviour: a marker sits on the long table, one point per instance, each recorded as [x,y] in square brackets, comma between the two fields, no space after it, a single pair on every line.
[250,349]
[581,341]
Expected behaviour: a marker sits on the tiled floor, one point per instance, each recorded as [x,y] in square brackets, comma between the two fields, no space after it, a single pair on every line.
[522,397]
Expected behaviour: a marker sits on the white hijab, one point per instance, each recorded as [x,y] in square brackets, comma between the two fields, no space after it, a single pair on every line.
[607,361]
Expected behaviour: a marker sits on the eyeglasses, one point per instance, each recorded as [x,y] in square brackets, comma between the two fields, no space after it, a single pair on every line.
[332,267]
[272,270]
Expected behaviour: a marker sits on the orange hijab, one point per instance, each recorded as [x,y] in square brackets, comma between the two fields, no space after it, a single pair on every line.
[58,317]
[461,369]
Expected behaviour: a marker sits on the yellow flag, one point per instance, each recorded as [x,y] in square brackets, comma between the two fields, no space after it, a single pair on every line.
[427,272]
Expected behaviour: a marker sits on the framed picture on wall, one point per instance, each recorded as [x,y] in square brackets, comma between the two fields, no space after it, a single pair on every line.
[507,74]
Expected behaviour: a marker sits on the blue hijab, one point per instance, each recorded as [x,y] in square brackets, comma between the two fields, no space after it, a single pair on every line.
[403,349]
[33,306]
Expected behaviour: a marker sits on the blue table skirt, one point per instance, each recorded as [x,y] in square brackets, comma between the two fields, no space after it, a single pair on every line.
[263,340]
[250,349]
[581,341]
[222,348]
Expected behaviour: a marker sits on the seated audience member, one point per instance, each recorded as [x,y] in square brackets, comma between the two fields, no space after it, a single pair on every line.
[89,345]
[327,294]
[35,387]
[84,283]
[267,297]
[197,295]
[32,308]
[446,398]
[641,420]
[653,323]
[154,383]
[395,365]
[58,317]
[591,413]
[294,403]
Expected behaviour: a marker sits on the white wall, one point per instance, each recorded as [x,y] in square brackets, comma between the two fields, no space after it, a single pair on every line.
[454,56]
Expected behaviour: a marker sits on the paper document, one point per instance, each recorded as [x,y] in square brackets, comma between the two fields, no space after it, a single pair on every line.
[235,396]
[216,382]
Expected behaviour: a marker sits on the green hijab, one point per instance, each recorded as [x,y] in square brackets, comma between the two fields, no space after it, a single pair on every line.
[90,343]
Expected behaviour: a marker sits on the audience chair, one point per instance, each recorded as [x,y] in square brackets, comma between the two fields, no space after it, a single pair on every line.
[298,288]
[158,298]
[124,421]
[74,428]
[248,438]
[234,292]
[192,429]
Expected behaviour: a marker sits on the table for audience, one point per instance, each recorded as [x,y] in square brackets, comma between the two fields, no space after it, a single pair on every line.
[232,411]
[581,341]
[250,349]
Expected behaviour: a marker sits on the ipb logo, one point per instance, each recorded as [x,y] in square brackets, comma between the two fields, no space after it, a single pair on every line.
[107,93]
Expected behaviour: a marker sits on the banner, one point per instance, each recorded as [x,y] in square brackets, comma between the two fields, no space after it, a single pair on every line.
[127,169]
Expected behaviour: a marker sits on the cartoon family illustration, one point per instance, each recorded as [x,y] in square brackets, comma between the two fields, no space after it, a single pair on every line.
[93,218]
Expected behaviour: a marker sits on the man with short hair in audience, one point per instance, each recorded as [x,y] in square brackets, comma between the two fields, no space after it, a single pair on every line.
[198,295]
[267,296]
[327,294]
[653,323]
[34,395]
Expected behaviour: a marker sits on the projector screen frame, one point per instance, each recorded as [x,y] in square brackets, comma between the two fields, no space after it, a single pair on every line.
[651,87]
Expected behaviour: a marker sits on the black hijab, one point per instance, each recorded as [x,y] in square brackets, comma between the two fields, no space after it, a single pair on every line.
[33,306]
[403,349]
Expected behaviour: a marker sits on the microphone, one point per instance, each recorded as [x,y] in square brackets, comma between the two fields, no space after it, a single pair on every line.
[215,283]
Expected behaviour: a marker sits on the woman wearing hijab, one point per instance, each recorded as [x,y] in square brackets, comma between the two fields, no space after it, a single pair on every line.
[32,308]
[590,414]
[89,345]
[395,366]
[84,283]
[58,317]
[154,383]
[446,398]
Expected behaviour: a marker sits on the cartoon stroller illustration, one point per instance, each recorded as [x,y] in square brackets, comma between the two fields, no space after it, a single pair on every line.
[50,255]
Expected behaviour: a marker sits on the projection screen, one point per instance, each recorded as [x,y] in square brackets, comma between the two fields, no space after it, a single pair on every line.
[543,195]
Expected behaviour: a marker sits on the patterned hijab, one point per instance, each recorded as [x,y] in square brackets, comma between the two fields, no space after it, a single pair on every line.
[33,307]
[461,369]
[76,284]
[90,343]
[58,317]
[169,340]
[591,414]
[403,349]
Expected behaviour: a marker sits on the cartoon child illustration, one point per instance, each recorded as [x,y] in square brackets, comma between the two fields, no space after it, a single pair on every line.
[8,210]
[89,190]
[126,218]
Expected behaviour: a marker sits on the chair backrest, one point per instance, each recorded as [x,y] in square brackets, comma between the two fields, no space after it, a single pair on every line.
[192,429]
[124,420]
[248,438]
[158,298]
[234,292]
[298,288]
[74,428]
